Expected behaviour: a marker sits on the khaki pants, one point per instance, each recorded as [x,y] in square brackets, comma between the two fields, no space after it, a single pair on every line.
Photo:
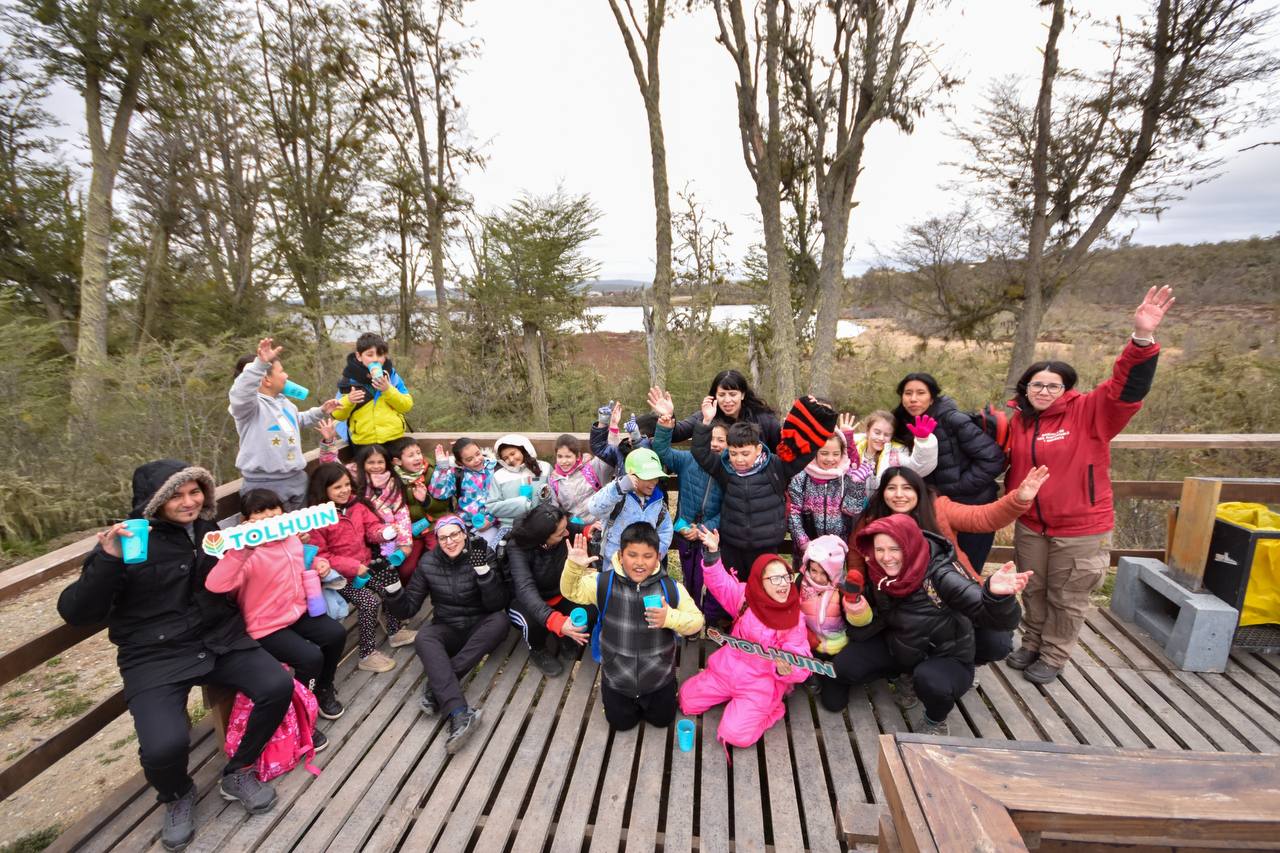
[1066,570]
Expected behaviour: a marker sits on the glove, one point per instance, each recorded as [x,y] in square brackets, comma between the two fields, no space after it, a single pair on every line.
[852,585]
[626,484]
[632,430]
[604,413]
[923,426]
[478,555]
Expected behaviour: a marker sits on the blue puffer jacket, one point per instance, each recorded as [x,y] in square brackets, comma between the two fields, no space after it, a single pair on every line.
[652,509]
[699,501]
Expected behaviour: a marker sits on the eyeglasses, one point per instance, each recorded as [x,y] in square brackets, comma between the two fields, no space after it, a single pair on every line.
[782,580]
[1051,387]
[452,537]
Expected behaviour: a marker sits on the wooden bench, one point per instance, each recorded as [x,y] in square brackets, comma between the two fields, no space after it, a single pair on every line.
[947,794]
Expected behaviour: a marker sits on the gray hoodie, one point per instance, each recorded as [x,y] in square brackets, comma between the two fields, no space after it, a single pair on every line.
[270,428]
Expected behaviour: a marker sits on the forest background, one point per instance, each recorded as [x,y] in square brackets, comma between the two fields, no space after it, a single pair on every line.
[271,166]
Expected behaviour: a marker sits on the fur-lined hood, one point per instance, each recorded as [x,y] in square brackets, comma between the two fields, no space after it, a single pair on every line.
[156,482]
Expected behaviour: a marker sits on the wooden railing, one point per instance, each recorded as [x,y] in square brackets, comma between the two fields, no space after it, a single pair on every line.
[57,639]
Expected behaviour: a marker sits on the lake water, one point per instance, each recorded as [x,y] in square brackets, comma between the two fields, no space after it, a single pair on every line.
[612,318]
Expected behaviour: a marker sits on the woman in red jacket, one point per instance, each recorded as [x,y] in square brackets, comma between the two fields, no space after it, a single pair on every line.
[1063,537]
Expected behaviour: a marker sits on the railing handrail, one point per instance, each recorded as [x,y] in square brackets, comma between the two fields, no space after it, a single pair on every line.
[35,652]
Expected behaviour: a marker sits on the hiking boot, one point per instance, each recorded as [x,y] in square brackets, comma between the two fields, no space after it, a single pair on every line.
[179,821]
[546,661]
[1022,658]
[319,741]
[428,701]
[376,661]
[461,725]
[929,727]
[244,785]
[330,707]
[1041,672]
[403,637]
[904,692]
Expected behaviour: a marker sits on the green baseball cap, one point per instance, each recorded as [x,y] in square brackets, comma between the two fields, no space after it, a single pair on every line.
[644,463]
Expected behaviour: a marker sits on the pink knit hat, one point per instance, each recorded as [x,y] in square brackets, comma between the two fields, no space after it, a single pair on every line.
[829,552]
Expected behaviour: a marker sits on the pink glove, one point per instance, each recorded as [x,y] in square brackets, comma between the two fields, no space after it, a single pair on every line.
[923,426]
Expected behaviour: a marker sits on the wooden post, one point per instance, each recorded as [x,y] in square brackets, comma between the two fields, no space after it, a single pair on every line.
[1189,547]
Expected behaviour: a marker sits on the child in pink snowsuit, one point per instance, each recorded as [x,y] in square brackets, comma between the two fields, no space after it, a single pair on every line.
[767,609]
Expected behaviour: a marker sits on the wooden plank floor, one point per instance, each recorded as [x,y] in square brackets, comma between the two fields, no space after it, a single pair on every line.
[545,772]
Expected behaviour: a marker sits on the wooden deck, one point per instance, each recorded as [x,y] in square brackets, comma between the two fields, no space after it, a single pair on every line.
[545,773]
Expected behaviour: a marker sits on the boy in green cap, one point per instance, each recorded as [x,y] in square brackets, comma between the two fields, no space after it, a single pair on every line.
[633,497]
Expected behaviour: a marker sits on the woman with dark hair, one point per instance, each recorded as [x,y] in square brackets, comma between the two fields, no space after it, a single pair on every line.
[902,492]
[969,460]
[735,402]
[1063,537]
[535,559]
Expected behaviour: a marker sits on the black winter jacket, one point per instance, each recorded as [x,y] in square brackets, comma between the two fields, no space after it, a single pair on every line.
[168,627]
[460,597]
[535,577]
[937,620]
[969,460]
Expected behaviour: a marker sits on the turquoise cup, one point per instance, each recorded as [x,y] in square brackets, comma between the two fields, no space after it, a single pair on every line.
[133,549]
[294,390]
[685,731]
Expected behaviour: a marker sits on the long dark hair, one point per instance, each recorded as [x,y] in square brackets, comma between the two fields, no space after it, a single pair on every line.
[324,476]
[534,529]
[1066,371]
[732,380]
[901,417]
[529,462]
[362,479]
[924,515]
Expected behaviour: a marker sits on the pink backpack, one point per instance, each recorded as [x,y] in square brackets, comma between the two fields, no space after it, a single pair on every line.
[291,740]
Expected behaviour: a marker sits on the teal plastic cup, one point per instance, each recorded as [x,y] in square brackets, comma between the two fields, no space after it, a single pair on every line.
[309,554]
[652,601]
[294,390]
[685,731]
[133,549]
[578,617]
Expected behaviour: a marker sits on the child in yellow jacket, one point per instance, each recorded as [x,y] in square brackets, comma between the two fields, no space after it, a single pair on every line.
[641,612]
[374,398]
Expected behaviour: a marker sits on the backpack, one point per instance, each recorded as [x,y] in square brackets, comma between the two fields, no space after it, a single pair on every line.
[604,589]
[600,533]
[993,422]
[291,740]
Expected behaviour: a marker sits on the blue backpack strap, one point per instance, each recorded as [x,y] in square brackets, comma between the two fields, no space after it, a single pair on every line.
[672,589]
[604,588]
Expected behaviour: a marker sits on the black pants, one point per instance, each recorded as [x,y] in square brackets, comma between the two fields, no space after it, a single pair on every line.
[739,560]
[312,646]
[939,681]
[447,654]
[976,547]
[535,632]
[991,645]
[657,708]
[160,718]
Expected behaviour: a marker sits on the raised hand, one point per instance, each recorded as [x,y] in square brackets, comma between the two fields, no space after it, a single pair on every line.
[922,427]
[615,415]
[328,406]
[710,538]
[708,409]
[1031,484]
[268,352]
[660,402]
[845,422]
[1152,310]
[1008,580]
[441,456]
[602,413]
[578,551]
[328,429]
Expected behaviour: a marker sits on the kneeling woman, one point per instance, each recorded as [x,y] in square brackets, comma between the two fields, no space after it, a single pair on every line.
[469,619]
[766,610]
[924,610]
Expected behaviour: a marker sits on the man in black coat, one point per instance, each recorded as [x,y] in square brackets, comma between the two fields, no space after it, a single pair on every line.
[173,634]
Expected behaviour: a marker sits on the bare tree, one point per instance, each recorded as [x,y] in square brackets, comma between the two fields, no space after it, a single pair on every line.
[1131,139]
[646,34]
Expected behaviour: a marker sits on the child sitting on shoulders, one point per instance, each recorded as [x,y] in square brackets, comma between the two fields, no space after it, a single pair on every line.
[464,477]
[266,581]
[574,479]
[826,497]
[519,483]
[641,611]
[825,606]
[611,444]
[374,398]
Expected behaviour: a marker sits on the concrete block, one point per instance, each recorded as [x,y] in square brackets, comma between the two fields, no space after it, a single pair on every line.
[1194,628]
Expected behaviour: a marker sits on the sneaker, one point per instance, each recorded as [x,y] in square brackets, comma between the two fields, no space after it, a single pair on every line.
[428,701]
[929,727]
[1041,672]
[319,741]
[1022,658]
[546,661]
[179,821]
[403,637]
[461,724]
[904,692]
[244,785]
[330,707]
[376,661]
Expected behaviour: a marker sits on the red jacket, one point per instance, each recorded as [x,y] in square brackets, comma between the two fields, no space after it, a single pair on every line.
[1073,437]
[346,544]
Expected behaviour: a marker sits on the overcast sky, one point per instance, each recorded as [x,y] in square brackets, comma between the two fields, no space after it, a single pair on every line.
[552,100]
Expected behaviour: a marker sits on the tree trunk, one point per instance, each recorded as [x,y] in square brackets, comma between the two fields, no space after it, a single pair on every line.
[537,380]
[406,294]
[830,296]
[662,247]
[153,277]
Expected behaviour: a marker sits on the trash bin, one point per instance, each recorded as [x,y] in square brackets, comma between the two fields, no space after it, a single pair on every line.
[1243,568]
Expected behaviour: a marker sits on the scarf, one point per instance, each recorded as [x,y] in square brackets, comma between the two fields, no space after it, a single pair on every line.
[379,481]
[915,554]
[778,615]
[588,473]
[889,457]
[756,467]
[824,474]
[356,375]
[409,479]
